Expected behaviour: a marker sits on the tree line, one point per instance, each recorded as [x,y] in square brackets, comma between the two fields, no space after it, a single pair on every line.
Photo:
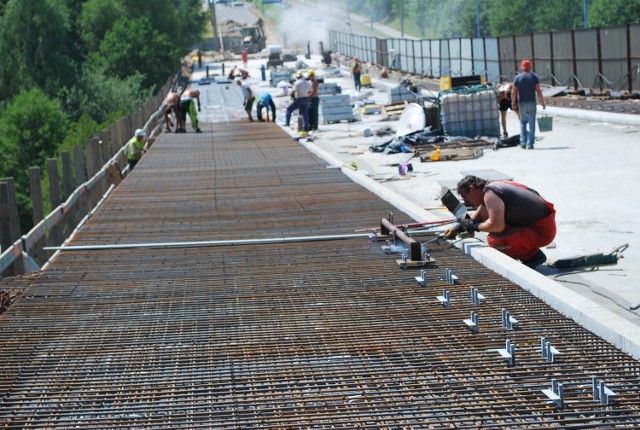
[69,68]
[435,19]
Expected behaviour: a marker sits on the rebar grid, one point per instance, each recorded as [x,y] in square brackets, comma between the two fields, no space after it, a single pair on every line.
[299,335]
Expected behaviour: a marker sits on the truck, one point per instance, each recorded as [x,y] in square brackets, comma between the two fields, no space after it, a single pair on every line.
[253,38]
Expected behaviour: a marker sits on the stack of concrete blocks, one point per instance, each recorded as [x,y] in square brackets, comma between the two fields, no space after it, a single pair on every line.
[336,108]
[330,88]
[402,93]
[470,114]
[277,76]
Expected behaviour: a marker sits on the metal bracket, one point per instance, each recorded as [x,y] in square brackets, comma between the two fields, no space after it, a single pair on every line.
[601,392]
[555,394]
[476,297]
[507,320]
[451,278]
[509,352]
[422,279]
[548,351]
[472,322]
[445,298]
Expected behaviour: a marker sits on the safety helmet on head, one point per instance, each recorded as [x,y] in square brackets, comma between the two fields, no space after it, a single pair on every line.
[298,75]
[312,72]
[140,133]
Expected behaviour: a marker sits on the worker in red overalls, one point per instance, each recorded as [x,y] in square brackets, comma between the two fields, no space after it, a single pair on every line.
[245,57]
[519,221]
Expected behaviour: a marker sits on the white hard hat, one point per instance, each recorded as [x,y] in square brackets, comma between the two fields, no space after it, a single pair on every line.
[140,133]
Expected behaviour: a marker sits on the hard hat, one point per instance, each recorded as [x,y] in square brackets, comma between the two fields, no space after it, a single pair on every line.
[140,133]
[298,74]
[312,72]
[525,65]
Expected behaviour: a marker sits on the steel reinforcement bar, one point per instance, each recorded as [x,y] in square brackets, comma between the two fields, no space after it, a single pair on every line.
[323,334]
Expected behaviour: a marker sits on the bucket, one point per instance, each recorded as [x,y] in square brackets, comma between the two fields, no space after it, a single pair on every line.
[545,123]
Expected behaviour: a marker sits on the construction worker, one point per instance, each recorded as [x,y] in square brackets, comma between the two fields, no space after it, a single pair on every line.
[314,101]
[247,94]
[300,93]
[356,70]
[169,105]
[519,221]
[526,86]
[265,101]
[187,106]
[135,148]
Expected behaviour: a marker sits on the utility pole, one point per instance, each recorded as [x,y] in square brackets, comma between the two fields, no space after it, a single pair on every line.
[586,21]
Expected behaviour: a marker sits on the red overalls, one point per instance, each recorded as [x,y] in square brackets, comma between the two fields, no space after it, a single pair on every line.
[523,242]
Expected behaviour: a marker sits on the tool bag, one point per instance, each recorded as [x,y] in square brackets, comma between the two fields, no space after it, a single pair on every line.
[545,123]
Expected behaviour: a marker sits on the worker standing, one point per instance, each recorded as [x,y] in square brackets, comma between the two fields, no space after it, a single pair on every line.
[264,100]
[245,57]
[314,101]
[247,94]
[526,86]
[301,90]
[519,221]
[135,148]
[356,70]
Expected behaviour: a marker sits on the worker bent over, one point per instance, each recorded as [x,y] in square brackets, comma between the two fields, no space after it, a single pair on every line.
[135,148]
[187,106]
[265,101]
[519,221]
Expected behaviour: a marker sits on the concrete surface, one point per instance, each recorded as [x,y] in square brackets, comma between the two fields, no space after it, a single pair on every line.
[586,166]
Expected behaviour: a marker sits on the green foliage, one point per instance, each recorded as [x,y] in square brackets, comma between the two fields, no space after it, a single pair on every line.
[35,47]
[96,19]
[133,46]
[31,128]
[613,12]
[98,95]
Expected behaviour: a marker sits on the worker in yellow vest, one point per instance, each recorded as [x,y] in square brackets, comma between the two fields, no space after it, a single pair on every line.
[135,148]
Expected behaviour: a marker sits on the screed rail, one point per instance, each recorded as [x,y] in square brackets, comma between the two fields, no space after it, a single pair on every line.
[322,334]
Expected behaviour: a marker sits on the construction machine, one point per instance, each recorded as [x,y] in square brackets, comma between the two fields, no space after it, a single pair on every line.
[253,38]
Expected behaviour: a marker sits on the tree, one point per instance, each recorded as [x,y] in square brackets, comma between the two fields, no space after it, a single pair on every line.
[31,128]
[35,47]
[96,19]
[133,46]
[613,12]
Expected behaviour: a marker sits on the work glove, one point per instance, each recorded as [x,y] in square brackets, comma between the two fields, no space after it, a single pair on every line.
[452,232]
[468,225]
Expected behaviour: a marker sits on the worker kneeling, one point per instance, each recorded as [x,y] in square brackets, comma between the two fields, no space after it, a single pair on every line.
[519,221]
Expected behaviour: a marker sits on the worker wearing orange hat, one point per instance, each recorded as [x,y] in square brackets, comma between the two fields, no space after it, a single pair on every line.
[526,86]
[314,101]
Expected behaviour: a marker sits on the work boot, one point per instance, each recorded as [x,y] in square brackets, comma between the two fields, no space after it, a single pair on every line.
[198,130]
[167,130]
[536,260]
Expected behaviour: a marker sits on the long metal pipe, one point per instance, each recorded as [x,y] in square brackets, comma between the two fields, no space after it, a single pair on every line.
[209,243]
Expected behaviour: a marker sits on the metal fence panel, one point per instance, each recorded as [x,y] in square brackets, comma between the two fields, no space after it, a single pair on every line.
[586,57]
[466,58]
[580,58]
[445,63]
[613,41]
[563,57]
[492,59]
[506,51]
[634,58]
[543,57]
[454,57]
